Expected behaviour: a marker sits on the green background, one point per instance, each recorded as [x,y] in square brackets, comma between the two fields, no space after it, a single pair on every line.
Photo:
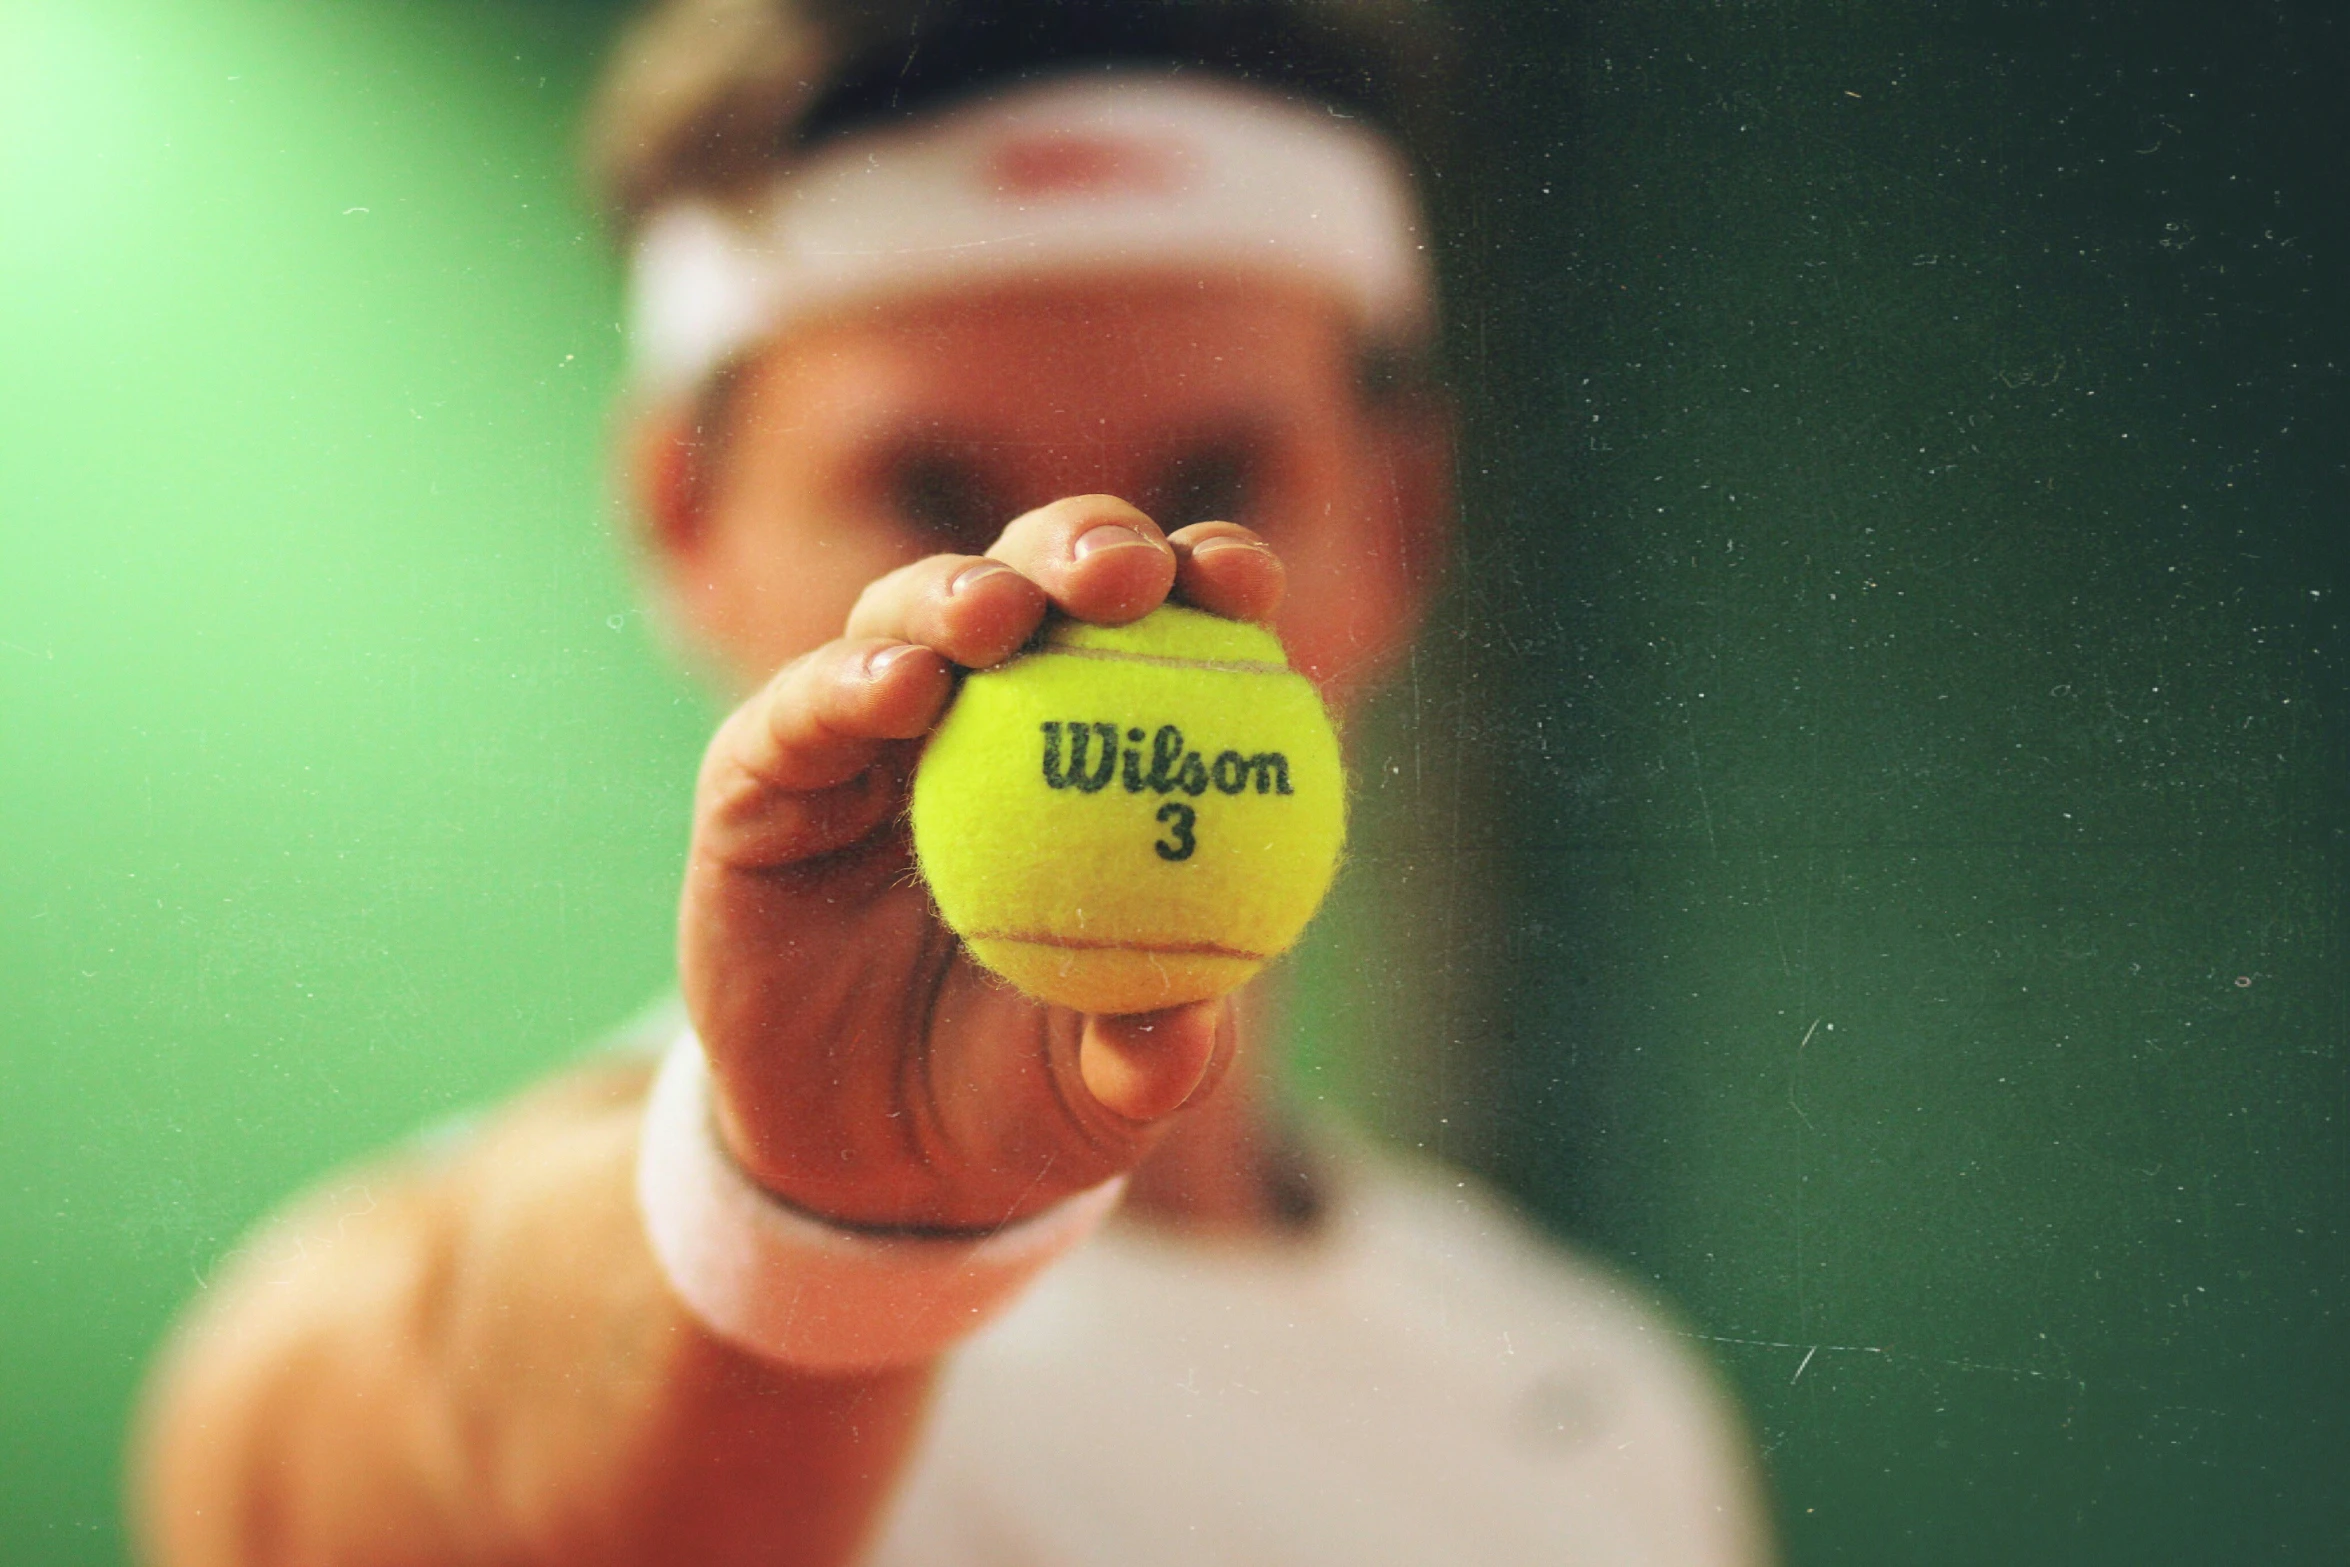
[1875,801]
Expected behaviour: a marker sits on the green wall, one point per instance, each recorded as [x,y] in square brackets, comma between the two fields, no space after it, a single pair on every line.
[1906,494]
[1915,534]
[339,782]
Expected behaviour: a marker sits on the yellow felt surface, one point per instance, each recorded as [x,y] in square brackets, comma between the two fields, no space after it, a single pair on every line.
[1065,892]
[1112,979]
[1175,632]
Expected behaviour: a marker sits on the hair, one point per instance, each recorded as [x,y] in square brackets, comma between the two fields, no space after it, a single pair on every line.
[704,97]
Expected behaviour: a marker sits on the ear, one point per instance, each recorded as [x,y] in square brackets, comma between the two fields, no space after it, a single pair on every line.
[1381,573]
[665,487]
[666,479]
[1413,447]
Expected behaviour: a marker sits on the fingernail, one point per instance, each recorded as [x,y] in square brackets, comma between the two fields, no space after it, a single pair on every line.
[881,660]
[1223,543]
[1109,536]
[975,573]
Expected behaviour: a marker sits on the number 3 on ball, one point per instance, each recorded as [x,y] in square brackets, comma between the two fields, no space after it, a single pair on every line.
[1183,732]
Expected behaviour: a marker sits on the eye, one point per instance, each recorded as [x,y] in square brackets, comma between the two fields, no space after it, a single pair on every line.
[944,497]
[1210,483]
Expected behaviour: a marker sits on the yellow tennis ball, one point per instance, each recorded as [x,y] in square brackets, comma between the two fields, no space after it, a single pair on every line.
[1131,817]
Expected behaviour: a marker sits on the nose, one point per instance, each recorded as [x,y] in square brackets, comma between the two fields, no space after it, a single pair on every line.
[1040,473]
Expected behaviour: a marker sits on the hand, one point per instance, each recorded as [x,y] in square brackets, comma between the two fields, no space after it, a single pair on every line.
[867,1070]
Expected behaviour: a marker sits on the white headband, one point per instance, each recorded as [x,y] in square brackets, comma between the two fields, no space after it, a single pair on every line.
[1079,175]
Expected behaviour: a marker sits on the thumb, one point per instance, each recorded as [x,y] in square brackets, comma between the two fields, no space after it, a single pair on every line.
[1143,1066]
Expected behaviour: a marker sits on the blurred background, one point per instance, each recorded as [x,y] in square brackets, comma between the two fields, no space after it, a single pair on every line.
[1872,818]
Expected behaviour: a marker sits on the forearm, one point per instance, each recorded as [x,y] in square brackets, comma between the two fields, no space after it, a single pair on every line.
[478,1361]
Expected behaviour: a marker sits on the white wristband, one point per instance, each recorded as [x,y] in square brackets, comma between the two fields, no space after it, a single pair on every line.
[789,1287]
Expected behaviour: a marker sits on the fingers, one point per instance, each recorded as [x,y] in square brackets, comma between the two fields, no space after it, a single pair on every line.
[973,610]
[1093,556]
[1098,558]
[1227,570]
[1146,1066]
[791,772]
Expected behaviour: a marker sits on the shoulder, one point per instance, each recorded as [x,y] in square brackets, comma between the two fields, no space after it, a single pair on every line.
[1588,1347]
[1571,1359]
[1443,1239]
[1424,1376]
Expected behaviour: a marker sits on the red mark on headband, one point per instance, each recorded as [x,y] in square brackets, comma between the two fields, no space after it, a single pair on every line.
[1068,163]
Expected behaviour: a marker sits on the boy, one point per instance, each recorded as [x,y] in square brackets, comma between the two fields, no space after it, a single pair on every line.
[1146,279]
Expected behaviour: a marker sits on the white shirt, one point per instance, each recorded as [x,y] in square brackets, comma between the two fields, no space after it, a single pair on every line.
[1422,1380]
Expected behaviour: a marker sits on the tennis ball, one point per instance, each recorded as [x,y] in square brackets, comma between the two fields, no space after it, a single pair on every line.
[1124,818]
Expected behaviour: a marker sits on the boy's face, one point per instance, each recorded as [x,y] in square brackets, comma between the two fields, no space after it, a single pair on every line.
[855,445]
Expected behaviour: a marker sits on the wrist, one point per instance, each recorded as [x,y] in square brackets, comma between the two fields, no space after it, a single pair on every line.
[840,1191]
[795,1288]
[838,1159]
